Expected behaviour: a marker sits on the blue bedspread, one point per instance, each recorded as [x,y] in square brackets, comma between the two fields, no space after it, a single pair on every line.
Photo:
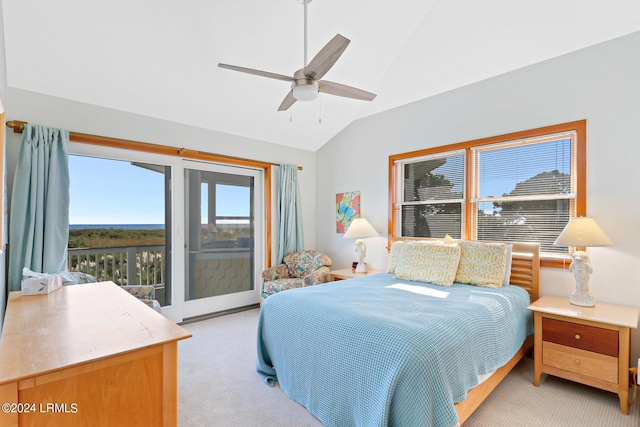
[377,351]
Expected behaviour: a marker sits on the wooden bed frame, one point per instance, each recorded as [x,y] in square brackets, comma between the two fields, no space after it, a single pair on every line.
[525,272]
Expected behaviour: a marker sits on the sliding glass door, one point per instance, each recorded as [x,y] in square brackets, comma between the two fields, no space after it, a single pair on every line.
[223,237]
[197,225]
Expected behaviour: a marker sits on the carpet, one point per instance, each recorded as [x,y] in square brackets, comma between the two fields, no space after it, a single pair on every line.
[218,386]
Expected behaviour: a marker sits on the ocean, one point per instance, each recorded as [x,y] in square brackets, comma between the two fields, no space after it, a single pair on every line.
[118,226]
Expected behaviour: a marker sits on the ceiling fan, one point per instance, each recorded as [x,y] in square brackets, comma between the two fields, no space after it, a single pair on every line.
[306,83]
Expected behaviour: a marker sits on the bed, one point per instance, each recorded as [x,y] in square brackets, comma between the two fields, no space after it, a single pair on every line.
[379,350]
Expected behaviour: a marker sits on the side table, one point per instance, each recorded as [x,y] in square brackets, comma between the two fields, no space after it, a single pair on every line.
[349,273]
[589,345]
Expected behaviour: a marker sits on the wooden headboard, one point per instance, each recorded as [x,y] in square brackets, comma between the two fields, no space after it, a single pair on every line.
[525,266]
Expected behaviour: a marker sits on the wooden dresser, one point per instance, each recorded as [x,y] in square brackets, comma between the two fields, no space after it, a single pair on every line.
[87,355]
[589,345]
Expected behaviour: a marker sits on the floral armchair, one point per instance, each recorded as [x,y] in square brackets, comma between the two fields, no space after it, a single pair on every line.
[298,269]
[145,293]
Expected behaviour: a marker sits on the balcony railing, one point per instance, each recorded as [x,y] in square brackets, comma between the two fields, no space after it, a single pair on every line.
[124,265]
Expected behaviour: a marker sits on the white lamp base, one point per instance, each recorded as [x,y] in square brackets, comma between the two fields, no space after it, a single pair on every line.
[361,250]
[582,299]
[581,268]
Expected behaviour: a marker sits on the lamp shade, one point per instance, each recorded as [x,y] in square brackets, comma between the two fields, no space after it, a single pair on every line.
[582,232]
[359,229]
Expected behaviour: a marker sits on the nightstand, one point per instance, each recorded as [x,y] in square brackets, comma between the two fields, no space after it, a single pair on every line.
[348,273]
[589,345]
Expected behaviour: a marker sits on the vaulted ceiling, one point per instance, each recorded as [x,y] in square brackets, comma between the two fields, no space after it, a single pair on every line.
[159,58]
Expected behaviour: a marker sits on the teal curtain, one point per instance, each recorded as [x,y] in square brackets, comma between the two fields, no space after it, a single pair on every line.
[291,235]
[39,217]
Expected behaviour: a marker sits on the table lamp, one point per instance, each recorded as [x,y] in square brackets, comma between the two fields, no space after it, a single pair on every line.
[360,229]
[582,232]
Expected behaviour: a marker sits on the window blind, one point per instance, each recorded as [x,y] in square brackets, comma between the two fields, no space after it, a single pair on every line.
[525,190]
[433,195]
[520,186]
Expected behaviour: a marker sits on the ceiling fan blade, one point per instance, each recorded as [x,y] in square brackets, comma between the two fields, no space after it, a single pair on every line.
[344,90]
[328,55]
[287,102]
[257,72]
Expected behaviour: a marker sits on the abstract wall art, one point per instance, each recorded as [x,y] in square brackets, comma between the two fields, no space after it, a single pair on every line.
[347,208]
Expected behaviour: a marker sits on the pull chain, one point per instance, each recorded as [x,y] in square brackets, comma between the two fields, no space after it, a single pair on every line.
[319,108]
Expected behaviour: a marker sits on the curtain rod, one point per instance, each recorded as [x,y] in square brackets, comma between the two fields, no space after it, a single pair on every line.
[18,127]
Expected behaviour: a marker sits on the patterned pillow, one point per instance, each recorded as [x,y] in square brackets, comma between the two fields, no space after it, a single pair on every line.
[396,254]
[448,240]
[482,264]
[432,262]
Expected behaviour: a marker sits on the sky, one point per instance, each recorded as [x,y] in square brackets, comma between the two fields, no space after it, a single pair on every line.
[107,191]
[502,169]
[116,192]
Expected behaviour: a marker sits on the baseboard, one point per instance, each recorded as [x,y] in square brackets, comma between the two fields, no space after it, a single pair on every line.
[218,314]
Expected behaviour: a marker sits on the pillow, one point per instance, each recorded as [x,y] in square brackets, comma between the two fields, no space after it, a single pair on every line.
[397,251]
[482,264]
[395,257]
[431,262]
[448,240]
[507,270]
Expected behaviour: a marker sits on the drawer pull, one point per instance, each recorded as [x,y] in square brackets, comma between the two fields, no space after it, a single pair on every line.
[577,361]
[577,336]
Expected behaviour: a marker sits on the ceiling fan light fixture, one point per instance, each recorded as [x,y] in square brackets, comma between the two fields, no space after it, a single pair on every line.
[305,89]
[305,83]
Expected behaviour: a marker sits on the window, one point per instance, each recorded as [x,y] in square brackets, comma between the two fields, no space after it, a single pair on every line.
[433,196]
[225,210]
[522,186]
[118,220]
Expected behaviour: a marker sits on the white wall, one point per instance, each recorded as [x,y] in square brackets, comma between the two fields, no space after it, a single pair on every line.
[600,84]
[84,118]
[3,92]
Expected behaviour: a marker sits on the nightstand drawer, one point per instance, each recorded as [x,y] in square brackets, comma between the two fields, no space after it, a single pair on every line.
[581,362]
[589,338]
